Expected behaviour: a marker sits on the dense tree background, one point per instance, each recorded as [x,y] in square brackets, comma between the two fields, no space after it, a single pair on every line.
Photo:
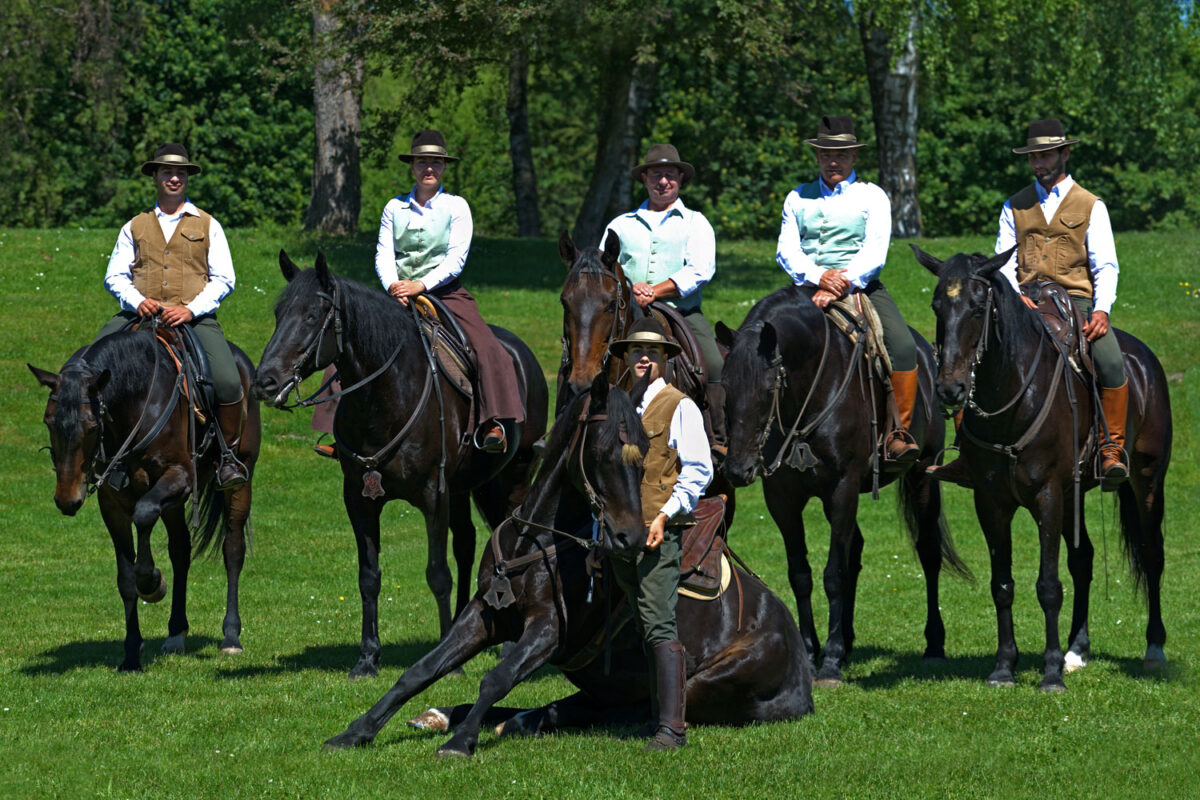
[89,87]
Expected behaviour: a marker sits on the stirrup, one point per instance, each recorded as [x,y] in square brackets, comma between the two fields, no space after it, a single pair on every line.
[235,472]
[326,450]
[1117,472]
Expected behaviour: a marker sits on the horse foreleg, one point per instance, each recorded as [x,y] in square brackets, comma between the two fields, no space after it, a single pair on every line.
[173,487]
[785,502]
[579,710]
[471,633]
[179,547]
[364,518]
[1079,564]
[531,651]
[437,572]
[121,532]
[1050,514]
[233,552]
[845,551]
[996,522]
[463,531]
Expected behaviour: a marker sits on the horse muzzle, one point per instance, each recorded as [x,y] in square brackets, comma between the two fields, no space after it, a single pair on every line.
[269,390]
[740,471]
[69,503]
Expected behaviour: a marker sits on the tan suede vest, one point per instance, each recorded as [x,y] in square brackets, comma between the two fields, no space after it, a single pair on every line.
[662,461]
[1054,250]
[171,272]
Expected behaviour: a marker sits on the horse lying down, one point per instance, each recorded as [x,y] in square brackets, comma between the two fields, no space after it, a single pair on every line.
[746,660]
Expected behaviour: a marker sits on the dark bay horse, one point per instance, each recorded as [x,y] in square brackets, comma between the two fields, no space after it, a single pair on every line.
[404,433]
[788,368]
[1027,447]
[746,660]
[117,411]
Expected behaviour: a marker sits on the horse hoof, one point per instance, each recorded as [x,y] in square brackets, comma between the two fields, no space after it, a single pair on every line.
[344,741]
[1073,661]
[231,650]
[445,751]
[1053,687]
[173,645]
[515,726]
[828,683]
[158,594]
[1155,659]
[363,671]
[1001,682]
[431,720]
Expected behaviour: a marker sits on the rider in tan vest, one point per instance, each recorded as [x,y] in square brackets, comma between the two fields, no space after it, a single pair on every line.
[173,261]
[1062,233]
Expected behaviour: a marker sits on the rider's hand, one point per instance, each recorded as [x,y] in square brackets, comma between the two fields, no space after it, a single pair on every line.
[1029,302]
[658,529]
[643,293]
[176,316]
[1096,326]
[823,298]
[148,308]
[402,290]
[834,282]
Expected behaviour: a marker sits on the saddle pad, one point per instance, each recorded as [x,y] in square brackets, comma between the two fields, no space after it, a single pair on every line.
[854,314]
[686,589]
[454,356]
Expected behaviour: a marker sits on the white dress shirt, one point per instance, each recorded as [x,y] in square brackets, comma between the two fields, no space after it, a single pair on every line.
[691,443]
[461,231]
[118,278]
[1101,249]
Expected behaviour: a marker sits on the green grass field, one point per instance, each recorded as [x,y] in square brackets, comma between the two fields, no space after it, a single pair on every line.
[203,725]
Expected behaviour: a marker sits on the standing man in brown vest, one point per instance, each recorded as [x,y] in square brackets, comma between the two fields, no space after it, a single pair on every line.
[678,467]
[173,260]
[1062,233]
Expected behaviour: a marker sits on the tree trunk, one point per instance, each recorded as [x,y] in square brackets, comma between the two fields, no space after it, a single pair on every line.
[337,180]
[623,92]
[892,75]
[529,219]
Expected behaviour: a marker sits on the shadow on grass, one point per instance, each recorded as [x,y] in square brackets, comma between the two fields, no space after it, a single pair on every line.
[110,653]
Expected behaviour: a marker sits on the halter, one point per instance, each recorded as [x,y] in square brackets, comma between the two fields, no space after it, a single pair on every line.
[617,331]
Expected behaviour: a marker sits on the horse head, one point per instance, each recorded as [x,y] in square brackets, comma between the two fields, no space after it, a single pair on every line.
[962,303]
[598,305]
[73,417]
[752,371]
[307,331]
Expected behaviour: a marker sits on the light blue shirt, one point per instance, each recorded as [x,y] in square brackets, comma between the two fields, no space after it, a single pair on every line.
[806,212]
[676,244]
[398,210]
[1101,247]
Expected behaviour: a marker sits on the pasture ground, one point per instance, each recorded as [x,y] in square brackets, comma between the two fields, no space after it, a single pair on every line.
[202,725]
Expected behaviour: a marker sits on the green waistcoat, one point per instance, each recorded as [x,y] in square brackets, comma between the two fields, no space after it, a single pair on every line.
[831,233]
[421,240]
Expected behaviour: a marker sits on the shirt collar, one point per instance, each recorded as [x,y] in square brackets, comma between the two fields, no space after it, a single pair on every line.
[675,209]
[411,197]
[843,185]
[653,389]
[186,208]
[1059,189]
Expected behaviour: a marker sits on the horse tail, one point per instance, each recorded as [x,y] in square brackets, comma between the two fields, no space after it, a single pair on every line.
[919,502]
[1135,537]
[213,511]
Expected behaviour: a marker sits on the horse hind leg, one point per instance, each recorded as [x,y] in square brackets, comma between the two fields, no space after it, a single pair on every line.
[233,552]
[579,710]
[1141,514]
[463,532]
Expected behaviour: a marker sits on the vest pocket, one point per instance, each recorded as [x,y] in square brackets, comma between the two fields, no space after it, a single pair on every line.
[1073,220]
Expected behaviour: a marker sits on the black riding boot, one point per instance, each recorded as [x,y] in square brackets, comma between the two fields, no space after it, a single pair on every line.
[231,473]
[670,668]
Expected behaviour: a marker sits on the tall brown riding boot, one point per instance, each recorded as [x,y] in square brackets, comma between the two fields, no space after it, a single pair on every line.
[956,470]
[1113,459]
[231,473]
[671,670]
[901,449]
[715,392]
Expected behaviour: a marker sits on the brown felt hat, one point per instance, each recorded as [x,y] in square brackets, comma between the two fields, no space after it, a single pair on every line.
[1044,134]
[171,154]
[646,330]
[835,133]
[429,144]
[663,155]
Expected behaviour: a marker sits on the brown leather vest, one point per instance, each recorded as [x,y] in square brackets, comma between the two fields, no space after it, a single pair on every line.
[1054,250]
[662,461]
[171,272]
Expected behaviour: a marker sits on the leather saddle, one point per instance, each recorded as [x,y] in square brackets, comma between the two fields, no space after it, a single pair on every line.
[455,356]
[1063,320]
[686,371]
[703,569]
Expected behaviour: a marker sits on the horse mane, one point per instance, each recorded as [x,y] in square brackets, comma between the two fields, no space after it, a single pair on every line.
[129,358]
[1012,315]
[789,310]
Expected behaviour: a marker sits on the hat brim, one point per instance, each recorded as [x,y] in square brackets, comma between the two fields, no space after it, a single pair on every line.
[408,158]
[150,167]
[687,169]
[619,347]
[834,144]
[1039,148]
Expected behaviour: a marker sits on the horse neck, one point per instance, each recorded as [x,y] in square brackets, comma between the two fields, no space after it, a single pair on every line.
[1013,343]
[369,343]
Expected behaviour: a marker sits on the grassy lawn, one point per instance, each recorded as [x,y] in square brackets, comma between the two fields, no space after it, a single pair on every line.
[203,725]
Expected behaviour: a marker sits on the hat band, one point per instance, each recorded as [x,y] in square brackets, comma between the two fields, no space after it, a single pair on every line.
[170,159]
[429,149]
[838,137]
[647,337]
[1038,140]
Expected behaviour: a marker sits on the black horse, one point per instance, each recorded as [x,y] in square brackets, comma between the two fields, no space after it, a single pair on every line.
[403,433]
[789,369]
[746,660]
[1029,446]
[118,417]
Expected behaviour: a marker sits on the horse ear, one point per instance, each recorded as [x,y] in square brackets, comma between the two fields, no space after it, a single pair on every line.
[989,267]
[47,379]
[768,342]
[287,267]
[725,335]
[599,394]
[566,248]
[927,261]
[323,276]
[612,248]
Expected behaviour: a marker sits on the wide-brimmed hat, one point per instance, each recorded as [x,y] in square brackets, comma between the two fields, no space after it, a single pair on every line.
[646,330]
[171,154]
[663,155]
[835,133]
[1044,134]
[429,144]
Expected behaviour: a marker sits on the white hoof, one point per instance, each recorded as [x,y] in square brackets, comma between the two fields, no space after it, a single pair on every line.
[1074,661]
[230,651]
[173,644]
[431,720]
[1155,658]
[517,726]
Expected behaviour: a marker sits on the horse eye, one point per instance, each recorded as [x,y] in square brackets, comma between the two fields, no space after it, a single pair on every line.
[612,305]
